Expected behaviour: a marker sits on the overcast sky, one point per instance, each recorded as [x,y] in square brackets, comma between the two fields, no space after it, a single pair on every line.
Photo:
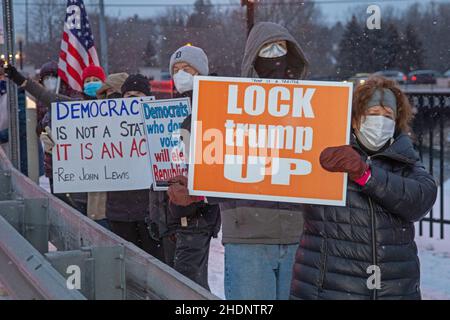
[333,10]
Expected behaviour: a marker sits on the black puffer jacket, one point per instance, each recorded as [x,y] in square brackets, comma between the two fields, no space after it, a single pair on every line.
[374,228]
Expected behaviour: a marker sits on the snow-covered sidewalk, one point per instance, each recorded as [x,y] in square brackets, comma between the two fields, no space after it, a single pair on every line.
[434,257]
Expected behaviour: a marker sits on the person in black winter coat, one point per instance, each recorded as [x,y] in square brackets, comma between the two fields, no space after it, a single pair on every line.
[92,78]
[366,250]
[196,221]
[128,211]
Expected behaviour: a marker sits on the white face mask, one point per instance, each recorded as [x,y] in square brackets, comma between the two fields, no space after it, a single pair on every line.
[375,131]
[184,81]
[50,83]
[272,50]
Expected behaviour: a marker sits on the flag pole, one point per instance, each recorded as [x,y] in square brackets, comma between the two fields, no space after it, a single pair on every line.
[58,84]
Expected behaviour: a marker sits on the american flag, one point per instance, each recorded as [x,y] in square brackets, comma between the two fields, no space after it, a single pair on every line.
[77,45]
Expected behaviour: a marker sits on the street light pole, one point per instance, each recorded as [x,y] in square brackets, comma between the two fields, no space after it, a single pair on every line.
[20,42]
[103,37]
[13,132]
[250,4]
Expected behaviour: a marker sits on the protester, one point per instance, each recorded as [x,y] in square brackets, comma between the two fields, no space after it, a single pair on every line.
[128,211]
[48,77]
[260,237]
[388,190]
[111,88]
[96,204]
[198,221]
[93,78]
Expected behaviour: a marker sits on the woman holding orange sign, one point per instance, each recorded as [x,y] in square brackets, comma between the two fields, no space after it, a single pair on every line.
[366,250]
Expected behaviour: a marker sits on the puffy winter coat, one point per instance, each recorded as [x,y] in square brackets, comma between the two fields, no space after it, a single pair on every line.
[375,228]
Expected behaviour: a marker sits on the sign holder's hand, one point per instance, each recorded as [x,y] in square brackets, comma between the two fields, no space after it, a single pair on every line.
[14,75]
[343,159]
[178,192]
[47,140]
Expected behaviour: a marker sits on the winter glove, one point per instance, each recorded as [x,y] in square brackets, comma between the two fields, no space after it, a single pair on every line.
[178,192]
[14,75]
[47,140]
[179,179]
[343,159]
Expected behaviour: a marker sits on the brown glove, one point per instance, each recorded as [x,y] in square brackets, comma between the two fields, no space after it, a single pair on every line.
[179,179]
[343,159]
[178,192]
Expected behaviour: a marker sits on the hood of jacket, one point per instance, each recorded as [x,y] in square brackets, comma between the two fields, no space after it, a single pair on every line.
[266,32]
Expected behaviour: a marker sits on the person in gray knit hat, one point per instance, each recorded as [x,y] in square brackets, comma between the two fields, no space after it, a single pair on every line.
[185,63]
[188,228]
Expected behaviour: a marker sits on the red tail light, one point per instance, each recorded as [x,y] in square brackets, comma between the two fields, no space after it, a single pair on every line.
[413,78]
[404,78]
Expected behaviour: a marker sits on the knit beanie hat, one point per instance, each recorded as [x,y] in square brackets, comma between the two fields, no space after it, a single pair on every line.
[113,81]
[93,71]
[48,69]
[136,82]
[383,97]
[194,56]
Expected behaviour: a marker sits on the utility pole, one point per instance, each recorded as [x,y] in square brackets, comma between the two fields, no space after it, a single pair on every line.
[20,42]
[26,23]
[103,36]
[13,132]
[250,13]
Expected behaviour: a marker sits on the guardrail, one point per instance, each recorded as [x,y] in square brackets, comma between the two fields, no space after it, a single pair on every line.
[110,267]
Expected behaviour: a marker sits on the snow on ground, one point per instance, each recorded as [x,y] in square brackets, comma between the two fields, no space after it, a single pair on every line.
[434,255]
[216,267]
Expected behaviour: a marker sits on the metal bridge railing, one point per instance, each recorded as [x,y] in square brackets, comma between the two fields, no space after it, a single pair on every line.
[431,129]
[109,267]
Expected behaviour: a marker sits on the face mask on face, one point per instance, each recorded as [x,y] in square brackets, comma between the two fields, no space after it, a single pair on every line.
[273,50]
[271,68]
[183,81]
[50,83]
[91,88]
[375,131]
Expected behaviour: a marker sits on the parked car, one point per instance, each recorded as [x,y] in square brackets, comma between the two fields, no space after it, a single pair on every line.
[423,77]
[162,89]
[359,78]
[395,75]
[165,75]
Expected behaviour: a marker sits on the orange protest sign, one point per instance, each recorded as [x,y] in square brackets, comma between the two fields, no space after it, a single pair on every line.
[261,139]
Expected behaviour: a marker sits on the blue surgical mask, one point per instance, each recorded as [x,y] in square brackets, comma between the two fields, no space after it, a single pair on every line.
[2,87]
[90,88]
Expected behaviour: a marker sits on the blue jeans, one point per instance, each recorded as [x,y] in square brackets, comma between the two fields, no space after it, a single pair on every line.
[258,271]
